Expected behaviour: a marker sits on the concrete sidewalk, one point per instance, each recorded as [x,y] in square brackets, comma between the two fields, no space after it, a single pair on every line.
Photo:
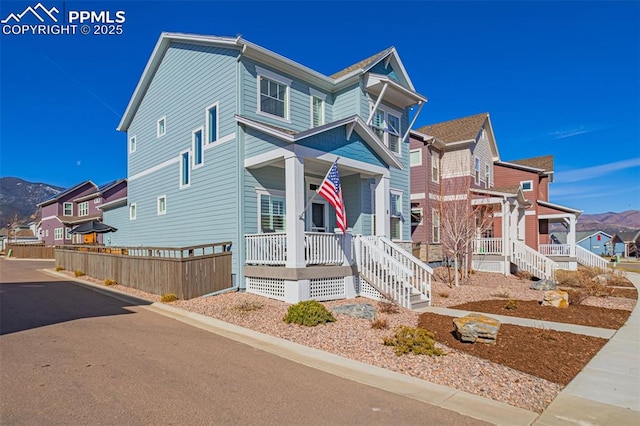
[604,393]
[607,390]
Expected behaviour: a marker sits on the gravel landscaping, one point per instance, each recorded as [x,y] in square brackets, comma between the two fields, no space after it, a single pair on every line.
[354,338]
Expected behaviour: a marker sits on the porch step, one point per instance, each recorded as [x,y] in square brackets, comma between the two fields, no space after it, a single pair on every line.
[417,301]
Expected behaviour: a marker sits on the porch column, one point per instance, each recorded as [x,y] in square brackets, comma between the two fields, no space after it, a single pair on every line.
[382,207]
[506,242]
[571,235]
[294,200]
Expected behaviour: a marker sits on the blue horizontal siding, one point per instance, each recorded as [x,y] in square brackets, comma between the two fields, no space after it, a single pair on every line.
[335,141]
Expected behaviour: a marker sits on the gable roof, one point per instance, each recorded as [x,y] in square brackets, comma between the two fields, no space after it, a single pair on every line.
[544,162]
[64,193]
[626,236]
[260,54]
[583,235]
[458,130]
[370,61]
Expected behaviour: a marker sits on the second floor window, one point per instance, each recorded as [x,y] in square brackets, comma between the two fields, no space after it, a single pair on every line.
[415,157]
[67,209]
[197,148]
[83,209]
[435,167]
[476,171]
[132,145]
[212,123]
[184,169]
[386,126]
[161,127]
[317,111]
[487,176]
[273,97]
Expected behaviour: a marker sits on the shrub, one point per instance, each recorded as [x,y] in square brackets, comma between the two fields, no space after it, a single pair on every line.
[511,305]
[387,306]
[596,289]
[524,275]
[79,273]
[109,282]
[168,298]
[308,313]
[409,339]
[618,278]
[576,295]
[444,294]
[502,295]
[566,278]
[380,324]
[59,268]
[248,306]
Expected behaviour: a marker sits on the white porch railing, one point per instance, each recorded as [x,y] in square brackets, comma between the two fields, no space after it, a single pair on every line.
[487,246]
[592,260]
[266,249]
[555,249]
[322,248]
[383,272]
[533,262]
[271,249]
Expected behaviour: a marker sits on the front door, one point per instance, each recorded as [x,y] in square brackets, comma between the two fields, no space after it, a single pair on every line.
[318,223]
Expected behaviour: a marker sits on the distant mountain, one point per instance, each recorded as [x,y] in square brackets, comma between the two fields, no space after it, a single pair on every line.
[609,222]
[19,199]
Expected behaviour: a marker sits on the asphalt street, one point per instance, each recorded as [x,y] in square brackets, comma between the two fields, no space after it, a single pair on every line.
[70,355]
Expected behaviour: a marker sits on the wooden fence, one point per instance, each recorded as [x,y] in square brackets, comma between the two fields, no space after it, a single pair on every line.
[187,272]
[30,251]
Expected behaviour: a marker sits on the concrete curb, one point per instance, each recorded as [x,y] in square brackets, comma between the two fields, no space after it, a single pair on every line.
[439,395]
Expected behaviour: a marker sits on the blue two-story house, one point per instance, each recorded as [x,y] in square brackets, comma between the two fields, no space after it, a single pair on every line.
[228,141]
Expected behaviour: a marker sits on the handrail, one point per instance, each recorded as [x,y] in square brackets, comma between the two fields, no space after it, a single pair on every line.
[590,259]
[555,249]
[533,262]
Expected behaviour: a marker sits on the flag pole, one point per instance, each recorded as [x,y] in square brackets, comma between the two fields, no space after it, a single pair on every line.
[316,191]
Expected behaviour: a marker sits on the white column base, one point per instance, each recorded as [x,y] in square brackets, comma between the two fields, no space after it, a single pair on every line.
[350,287]
[296,291]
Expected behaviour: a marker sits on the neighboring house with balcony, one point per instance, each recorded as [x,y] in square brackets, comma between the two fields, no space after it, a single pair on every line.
[626,243]
[76,205]
[228,141]
[510,200]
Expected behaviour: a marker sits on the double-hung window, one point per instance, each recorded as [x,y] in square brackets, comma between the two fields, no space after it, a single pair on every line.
[396,215]
[273,94]
[487,176]
[476,171]
[435,226]
[317,107]
[435,166]
[67,209]
[57,234]
[385,123]
[415,157]
[197,147]
[272,213]
[83,209]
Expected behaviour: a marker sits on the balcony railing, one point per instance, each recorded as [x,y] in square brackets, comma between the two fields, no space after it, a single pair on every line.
[487,246]
[555,249]
[271,249]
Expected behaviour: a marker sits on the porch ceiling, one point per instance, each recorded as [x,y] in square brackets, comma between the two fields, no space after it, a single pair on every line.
[314,166]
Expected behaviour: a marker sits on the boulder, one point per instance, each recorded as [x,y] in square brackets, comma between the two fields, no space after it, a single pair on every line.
[556,298]
[358,310]
[476,328]
[545,285]
[601,279]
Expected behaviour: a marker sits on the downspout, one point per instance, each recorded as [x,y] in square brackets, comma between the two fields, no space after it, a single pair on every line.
[239,282]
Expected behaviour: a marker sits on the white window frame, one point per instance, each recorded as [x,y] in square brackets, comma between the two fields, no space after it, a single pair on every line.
[435,231]
[58,234]
[385,125]
[83,209]
[522,183]
[396,214]
[419,157]
[158,134]
[67,233]
[476,170]
[46,232]
[182,168]
[193,148]
[487,175]
[64,209]
[209,139]
[97,200]
[272,193]
[133,211]
[132,144]
[315,94]
[435,166]
[160,211]
[276,78]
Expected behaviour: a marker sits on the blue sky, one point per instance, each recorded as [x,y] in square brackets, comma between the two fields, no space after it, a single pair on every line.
[557,78]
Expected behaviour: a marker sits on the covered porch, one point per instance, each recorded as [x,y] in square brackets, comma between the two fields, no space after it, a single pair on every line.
[564,253]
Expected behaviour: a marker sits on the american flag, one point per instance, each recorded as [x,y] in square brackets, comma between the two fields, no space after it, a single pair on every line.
[332,191]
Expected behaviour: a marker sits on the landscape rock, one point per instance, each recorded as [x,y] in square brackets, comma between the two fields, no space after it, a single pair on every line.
[477,328]
[545,285]
[359,310]
[556,298]
[601,279]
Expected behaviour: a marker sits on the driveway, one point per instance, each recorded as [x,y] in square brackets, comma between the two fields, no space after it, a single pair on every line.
[74,356]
